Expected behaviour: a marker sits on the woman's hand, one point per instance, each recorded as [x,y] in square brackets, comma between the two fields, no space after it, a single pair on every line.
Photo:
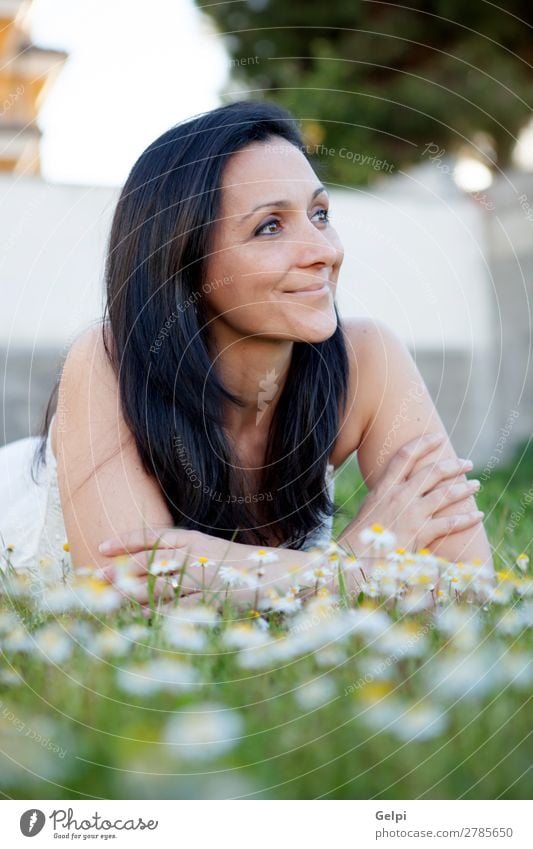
[405,502]
[163,553]
[182,542]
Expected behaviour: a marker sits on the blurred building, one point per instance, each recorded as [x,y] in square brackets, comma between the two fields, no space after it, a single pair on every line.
[26,73]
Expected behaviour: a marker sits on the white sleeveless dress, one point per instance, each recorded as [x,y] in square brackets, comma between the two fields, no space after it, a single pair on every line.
[31,517]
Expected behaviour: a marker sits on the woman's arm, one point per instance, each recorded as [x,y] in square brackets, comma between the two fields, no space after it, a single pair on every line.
[397,409]
[103,487]
[250,570]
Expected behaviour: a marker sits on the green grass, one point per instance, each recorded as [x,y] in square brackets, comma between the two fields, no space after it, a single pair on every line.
[114,742]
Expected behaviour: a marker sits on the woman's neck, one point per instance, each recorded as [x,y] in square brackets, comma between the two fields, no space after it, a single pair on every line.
[255,370]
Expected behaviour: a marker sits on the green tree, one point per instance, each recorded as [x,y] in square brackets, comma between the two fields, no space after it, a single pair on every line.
[383,80]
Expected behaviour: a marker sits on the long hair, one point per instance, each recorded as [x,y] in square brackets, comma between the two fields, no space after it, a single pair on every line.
[171,395]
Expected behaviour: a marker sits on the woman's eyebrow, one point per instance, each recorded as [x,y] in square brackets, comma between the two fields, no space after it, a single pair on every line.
[282,203]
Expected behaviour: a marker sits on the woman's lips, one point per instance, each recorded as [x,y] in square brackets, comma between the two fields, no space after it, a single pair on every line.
[313,291]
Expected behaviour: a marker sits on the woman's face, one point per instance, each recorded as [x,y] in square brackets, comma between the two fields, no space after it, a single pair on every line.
[275,258]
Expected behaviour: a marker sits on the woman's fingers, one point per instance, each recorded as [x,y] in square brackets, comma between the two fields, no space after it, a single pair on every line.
[162,589]
[143,562]
[451,524]
[131,576]
[441,496]
[405,459]
[428,477]
[144,539]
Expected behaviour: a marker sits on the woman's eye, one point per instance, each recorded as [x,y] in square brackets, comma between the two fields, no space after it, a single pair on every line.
[274,222]
[271,223]
[325,213]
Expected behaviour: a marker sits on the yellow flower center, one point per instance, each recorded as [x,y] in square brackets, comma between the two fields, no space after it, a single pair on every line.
[96,585]
[377,690]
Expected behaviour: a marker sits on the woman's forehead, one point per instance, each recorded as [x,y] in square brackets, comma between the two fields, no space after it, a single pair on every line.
[275,171]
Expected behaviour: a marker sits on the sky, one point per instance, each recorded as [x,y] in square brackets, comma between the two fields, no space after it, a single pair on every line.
[134,70]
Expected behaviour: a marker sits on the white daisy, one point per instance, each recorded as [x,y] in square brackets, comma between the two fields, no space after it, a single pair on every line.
[415,601]
[288,603]
[316,693]
[421,721]
[517,670]
[154,676]
[402,640]
[378,537]
[203,731]
[60,599]
[164,567]
[107,643]
[510,622]
[199,614]
[370,588]
[522,561]
[262,556]
[524,587]
[54,645]
[453,675]
[98,596]
[319,575]
[243,635]
[332,655]
[19,639]
[8,621]
[10,677]
[137,633]
[351,563]
[237,577]
[273,600]
[203,562]
[183,635]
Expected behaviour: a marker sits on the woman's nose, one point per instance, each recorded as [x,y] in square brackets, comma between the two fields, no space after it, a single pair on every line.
[316,247]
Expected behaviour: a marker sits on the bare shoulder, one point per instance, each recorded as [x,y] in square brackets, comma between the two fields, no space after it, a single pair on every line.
[367,342]
[88,396]
[88,350]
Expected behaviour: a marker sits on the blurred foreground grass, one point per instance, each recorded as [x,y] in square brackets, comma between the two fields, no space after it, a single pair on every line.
[375,696]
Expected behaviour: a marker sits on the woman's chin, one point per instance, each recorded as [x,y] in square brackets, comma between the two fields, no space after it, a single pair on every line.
[314,325]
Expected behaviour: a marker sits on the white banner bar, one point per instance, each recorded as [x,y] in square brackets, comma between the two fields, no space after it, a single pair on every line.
[355,824]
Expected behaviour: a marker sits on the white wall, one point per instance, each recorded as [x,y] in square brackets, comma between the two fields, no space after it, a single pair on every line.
[52,244]
[413,257]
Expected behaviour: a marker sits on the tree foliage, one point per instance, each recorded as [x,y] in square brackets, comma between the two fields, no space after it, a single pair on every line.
[373,83]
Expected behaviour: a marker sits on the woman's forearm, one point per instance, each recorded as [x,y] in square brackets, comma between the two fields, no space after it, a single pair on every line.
[245,579]
[292,572]
[208,563]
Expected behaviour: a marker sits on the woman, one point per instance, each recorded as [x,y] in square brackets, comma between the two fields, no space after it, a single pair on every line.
[223,389]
